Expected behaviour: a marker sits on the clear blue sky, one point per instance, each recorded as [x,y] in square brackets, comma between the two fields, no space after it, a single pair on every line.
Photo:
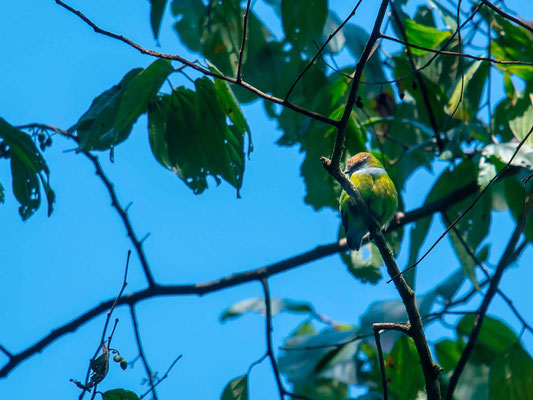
[55,268]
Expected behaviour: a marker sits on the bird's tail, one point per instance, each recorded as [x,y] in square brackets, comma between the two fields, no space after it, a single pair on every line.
[354,238]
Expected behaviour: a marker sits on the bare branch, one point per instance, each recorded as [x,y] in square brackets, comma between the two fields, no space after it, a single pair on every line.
[310,64]
[268,335]
[508,16]
[164,376]
[453,53]
[202,70]
[243,43]
[142,355]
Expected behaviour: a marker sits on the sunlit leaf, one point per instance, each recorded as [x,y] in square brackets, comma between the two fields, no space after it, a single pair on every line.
[423,36]
[464,101]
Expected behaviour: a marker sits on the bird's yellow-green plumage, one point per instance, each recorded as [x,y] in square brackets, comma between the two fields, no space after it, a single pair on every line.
[376,188]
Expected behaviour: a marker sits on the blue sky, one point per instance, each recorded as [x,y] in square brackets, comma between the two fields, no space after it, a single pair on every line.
[53,269]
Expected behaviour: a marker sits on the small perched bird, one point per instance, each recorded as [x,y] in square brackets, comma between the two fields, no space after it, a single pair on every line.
[376,188]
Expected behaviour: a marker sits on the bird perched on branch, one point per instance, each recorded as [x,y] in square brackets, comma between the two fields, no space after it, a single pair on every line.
[378,191]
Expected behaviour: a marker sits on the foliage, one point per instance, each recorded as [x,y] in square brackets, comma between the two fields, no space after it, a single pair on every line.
[197,130]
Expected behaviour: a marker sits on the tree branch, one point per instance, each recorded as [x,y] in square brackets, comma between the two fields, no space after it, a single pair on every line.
[508,16]
[243,42]
[202,70]
[506,258]
[142,355]
[453,53]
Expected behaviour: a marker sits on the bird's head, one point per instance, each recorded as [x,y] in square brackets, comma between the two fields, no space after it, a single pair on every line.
[361,161]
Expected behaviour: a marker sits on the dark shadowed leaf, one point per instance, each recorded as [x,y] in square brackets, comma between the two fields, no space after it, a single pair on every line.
[96,128]
[200,133]
[156,15]
[303,20]
[258,305]
[364,264]
[139,92]
[514,195]
[189,14]
[404,371]
[119,394]
[236,389]
[511,375]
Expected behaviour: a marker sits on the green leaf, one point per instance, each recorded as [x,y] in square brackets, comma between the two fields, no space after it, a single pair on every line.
[494,338]
[511,375]
[258,305]
[322,389]
[466,95]
[119,394]
[194,143]
[96,128]
[504,152]
[303,20]
[451,285]
[403,370]
[2,194]
[448,353]
[156,15]
[139,92]
[236,389]
[522,124]
[28,167]
[514,196]
[423,36]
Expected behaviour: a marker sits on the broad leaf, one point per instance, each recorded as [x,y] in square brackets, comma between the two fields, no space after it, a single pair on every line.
[522,124]
[199,134]
[303,20]
[464,101]
[96,128]
[448,353]
[139,92]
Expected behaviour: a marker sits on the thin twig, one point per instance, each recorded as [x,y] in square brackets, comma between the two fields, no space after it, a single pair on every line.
[478,321]
[101,343]
[243,43]
[142,355]
[268,335]
[456,54]
[378,328]
[164,376]
[507,16]
[331,36]
[449,228]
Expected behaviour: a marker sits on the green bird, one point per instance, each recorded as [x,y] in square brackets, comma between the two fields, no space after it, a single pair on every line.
[376,188]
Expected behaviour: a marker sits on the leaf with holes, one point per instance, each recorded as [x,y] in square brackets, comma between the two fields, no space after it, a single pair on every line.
[28,168]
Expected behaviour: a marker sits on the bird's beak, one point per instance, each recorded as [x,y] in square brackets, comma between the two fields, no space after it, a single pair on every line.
[347,171]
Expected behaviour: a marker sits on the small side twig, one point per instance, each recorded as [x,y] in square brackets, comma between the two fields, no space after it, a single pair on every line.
[378,328]
[163,377]
[142,354]
[243,42]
